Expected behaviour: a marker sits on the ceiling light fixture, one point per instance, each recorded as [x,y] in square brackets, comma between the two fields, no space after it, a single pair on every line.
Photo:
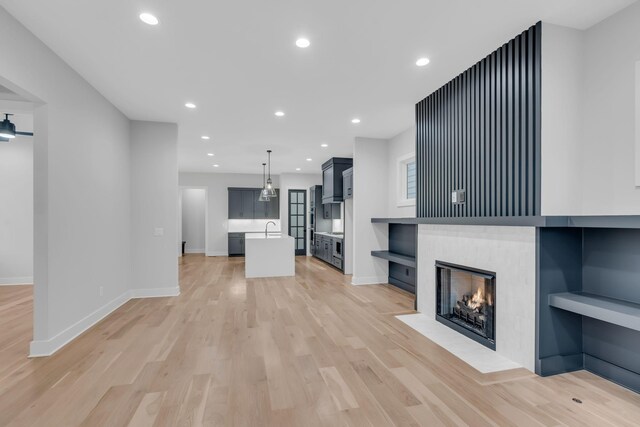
[421,62]
[210,154]
[205,137]
[280,113]
[298,169]
[324,145]
[303,43]
[264,194]
[309,159]
[216,165]
[149,19]
[355,121]
[270,191]
[190,105]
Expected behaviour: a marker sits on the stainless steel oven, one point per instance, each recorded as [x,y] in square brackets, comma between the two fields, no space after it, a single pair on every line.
[337,247]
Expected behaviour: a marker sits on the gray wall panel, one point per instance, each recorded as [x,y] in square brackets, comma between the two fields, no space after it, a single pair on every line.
[480,133]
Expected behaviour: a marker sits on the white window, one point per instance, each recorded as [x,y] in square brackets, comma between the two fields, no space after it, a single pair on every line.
[407,182]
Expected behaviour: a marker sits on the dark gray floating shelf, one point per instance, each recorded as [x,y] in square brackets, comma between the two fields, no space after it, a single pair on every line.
[408,261]
[614,221]
[617,312]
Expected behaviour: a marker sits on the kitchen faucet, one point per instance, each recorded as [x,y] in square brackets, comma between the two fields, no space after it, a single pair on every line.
[267,226]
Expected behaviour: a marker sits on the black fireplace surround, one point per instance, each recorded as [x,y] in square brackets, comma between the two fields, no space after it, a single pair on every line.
[466,301]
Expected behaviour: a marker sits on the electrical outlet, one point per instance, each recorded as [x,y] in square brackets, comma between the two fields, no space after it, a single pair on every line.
[458,197]
[101,290]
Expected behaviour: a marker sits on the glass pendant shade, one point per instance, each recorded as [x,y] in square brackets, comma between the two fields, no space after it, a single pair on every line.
[264,196]
[271,192]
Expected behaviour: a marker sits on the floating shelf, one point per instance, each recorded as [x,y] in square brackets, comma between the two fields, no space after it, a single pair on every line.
[409,261]
[613,221]
[617,312]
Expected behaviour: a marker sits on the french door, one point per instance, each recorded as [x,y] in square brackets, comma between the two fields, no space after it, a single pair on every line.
[298,219]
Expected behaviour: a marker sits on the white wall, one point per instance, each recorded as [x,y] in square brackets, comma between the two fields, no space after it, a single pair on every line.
[154,209]
[193,219]
[218,208]
[608,140]
[370,163]
[562,120]
[81,190]
[295,181]
[399,147]
[16,214]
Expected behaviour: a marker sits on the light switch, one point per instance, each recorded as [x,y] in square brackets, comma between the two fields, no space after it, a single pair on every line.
[158,231]
[454,197]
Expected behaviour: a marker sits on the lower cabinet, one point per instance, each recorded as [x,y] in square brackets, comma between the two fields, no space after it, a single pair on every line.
[323,249]
[236,244]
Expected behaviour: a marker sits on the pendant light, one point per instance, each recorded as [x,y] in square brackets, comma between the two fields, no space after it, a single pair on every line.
[263,193]
[271,192]
[7,129]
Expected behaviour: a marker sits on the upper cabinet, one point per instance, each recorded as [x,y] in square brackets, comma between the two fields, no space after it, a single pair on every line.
[332,188]
[244,204]
[347,183]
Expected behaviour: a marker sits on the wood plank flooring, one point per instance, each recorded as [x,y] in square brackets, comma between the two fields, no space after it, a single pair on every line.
[305,351]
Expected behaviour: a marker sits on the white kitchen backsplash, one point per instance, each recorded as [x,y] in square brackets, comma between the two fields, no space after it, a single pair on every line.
[251,225]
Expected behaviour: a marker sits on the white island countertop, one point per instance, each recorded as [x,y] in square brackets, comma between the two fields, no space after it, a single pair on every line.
[271,255]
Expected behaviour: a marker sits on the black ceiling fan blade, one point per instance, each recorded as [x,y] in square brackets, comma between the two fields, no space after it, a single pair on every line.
[24,133]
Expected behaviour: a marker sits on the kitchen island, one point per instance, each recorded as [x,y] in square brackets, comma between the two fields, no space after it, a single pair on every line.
[271,255]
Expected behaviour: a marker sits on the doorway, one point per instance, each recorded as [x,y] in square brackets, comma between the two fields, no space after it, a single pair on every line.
[298,219]
[193,220]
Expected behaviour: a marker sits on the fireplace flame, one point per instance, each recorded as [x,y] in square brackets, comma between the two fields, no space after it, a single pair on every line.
[477,300]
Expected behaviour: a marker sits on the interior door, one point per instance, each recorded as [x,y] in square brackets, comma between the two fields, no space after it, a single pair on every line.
[298,219]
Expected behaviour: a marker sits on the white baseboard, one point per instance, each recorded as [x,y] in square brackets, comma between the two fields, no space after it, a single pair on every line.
[50,346]
[370,280]
[218,253]
[194,251]
[155,292]
[16,280]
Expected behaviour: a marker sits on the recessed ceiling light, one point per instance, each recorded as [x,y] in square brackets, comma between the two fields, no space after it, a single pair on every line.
[302,42]
[421,62]
[309,159]
[190,105]
[210,154]
[279,113]
[216,165]
[205,137]
[324,145]
[355,121]
[297,169]
[148,18]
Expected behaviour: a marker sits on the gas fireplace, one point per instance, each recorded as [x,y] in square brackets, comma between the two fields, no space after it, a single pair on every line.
[466,301]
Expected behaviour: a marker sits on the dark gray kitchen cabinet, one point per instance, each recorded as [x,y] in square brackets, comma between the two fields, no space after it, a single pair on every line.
[273,207]
[332,188]
[244,204]
[241,203]
[236,244]
[347,183]
[331,211]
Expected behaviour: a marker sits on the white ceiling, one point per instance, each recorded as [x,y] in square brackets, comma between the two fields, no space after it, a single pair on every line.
[238,62]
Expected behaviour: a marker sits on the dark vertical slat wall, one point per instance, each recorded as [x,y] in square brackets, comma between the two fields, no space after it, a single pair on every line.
[481,133]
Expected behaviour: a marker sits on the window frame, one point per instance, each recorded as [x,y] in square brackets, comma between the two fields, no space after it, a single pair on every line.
[402,163]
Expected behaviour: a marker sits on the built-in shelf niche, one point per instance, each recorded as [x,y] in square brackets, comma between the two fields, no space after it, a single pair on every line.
[402,252]
[589,302]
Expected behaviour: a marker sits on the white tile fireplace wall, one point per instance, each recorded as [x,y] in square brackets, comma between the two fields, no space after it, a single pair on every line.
[508,251]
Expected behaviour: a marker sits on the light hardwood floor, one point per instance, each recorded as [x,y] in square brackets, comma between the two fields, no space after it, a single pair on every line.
[304,351]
